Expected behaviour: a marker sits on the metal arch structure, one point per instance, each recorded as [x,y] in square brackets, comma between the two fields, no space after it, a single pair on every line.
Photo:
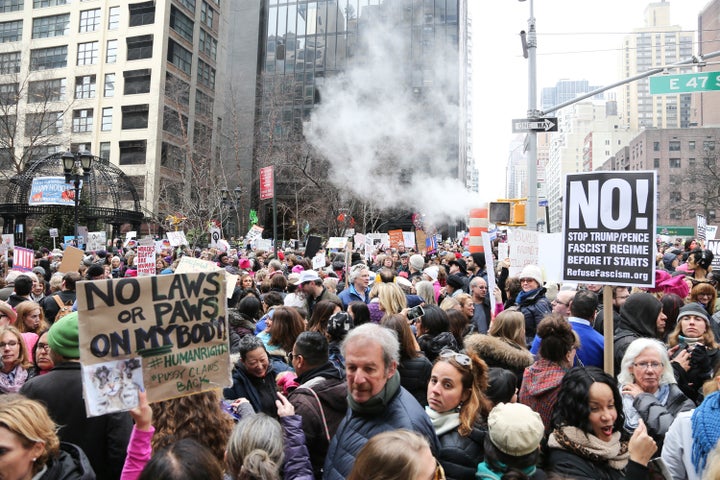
[108,195]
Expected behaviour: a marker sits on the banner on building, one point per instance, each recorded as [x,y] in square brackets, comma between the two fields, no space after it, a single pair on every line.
[52,191]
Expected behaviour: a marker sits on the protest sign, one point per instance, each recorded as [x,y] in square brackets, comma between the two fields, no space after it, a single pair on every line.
[96,241]
[409,239]
[215,236]
[165,334]
[145,260]
[396,238]
[700,223]
[489,264]
[131,235]
[609,228]
[71,260]
[503,251]
[318,261]
[714,247]
[710,231]
[193,265]
[337,242]
[23,259]
[52,191]
[8,242]
[177,238]
[420,238]
[524,249]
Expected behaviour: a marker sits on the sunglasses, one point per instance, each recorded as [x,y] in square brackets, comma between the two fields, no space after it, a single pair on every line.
[460,358]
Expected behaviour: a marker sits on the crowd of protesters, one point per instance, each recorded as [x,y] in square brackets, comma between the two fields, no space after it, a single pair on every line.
[399,365]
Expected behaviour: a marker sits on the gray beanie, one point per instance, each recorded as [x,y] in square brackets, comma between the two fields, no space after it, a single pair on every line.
[417,262]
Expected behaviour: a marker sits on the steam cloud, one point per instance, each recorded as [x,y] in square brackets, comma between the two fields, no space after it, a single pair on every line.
[389,123]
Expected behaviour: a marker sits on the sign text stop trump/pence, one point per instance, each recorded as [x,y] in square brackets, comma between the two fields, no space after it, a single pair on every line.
[609,225]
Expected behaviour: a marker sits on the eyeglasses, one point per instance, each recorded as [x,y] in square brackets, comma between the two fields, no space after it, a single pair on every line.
[561,303]
[43,346]
[527,280]
[481,287]
[292,355]
[11,344]
[460,358]
[439,472]
[646,365]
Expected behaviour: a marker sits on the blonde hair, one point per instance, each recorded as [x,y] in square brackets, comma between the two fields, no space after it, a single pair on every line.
[255,449]
[449,303]
[510,325]
[391,455]
[29,420]
[392,299]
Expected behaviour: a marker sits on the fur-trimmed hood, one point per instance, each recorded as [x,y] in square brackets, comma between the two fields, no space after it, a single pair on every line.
[498,352]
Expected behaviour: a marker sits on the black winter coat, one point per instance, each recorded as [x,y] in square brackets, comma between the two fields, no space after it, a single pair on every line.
[254,390]
[534,308]
[414,377]
[570,465]
[459,456]
[70,464]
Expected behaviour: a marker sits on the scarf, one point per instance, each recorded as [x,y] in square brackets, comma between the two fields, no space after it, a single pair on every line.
[523,295]
[443,422]
[485,471]
[705,430]
[631,415]
[378,403]
[689,340]
[11,382]
[588,446]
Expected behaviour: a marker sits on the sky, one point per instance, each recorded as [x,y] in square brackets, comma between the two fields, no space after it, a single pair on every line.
[577,40]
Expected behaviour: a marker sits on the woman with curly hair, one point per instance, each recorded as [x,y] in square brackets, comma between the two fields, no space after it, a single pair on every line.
[458,410]
[704,294]
[587,439]
[198,416]
[30,318]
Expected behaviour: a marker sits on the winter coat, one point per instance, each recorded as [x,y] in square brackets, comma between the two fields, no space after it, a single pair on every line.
[402,411]
[243,386]
[297,461]
[677,448]
[659,417]
[104,439]
[499,352]
[638,318]
[414,377]
[540,388]
[459,456]
[239,325]
[70,464]
[350,294]
[534,308]
[325,411]
[571,465]
[432,346]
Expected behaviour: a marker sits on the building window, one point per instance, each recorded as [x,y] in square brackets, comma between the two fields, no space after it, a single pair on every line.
[207,15]
[111,51]
[206,74]
[113,18]
[85,86]
[48,3]
[89,20]
[675,214]
[709,145]
[203,104]
[135,116]
[139,47]
[9,63]
[208,44]
[47,58]
[711,215]
[7,6]
[11,31]
[179,56]
[691,144]
[656,163]
[82,120]
[136,81]
[9,94]
[52,26]
[675,197]
[189,4]
[44,91]
[109,87]
[691,162]
[174,123]
[692,196]
[43,124]
[656,146]
[138,182]
[88,53]
[171,156]
[181,24]
[709,162]
[133,152]
[104,151]
[176,90]
[142,13]
[674,145]
[674,163]
[106,120]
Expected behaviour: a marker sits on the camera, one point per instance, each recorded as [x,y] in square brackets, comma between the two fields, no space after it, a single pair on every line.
[415,312]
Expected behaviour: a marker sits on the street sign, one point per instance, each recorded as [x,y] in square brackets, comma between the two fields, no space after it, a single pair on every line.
[267,183]
[684,83]
[547,124]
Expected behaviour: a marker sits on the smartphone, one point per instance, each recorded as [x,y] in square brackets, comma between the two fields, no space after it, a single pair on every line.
[415,312]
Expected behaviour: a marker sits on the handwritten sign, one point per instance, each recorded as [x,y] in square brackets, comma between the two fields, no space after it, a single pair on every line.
[166,334]
[193,265]
[145,260]
[177,238]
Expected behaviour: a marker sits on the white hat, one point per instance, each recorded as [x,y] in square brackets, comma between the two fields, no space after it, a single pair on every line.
[432,272]
[515,429]
[308,276]
[532,271]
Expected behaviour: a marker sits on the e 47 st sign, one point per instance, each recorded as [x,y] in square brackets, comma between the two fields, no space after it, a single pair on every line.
[684,83]
[524,125]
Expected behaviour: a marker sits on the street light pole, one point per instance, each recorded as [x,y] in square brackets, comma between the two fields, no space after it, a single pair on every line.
[530,51]
[70,163]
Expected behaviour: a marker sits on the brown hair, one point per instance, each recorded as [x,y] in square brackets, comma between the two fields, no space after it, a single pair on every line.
[557,338]
[510,325]
[287,324]
[25,308]
[399,324]
[390,455]
[322,312]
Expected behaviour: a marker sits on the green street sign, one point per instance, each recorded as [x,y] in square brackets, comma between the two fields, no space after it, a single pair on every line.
[676,231]
[684,83]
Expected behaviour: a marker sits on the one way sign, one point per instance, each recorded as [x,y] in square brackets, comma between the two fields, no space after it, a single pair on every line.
[522,125]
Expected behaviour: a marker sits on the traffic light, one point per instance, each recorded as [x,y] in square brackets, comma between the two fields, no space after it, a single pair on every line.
[508,211]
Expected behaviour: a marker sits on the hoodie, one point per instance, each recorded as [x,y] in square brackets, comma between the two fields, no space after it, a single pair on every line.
[638,319]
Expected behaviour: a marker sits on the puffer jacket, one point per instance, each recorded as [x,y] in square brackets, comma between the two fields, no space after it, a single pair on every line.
[403,411]
[659,417]
[297,460]
[459,456]
[570,465]
[239,325]
[534,308]
[540,388]
[70,464]
[638,319]
[243,387]
[498,352]
[414,377]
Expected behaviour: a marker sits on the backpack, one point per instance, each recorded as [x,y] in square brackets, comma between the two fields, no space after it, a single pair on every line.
[64,309]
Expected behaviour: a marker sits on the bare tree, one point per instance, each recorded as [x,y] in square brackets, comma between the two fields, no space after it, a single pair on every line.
[698,190]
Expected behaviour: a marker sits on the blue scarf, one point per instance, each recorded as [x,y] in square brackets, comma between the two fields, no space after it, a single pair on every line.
[523,295]
[485,472]
[705,430]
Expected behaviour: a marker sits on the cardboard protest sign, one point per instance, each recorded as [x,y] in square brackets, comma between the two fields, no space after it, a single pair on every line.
[318,261]
[524,249]
[396,238]
[609,228]
[96,241]
[71,260]
[177,238]
[145,260]
[710,231]
[166,334]
[337,242]
[420,238]
[192,265]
